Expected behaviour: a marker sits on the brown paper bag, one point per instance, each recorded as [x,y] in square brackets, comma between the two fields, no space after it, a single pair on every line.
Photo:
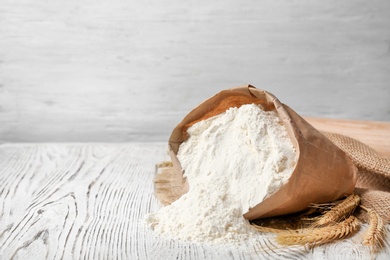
[323,173]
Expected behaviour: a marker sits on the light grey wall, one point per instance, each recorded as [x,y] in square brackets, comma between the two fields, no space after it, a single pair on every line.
[120,70]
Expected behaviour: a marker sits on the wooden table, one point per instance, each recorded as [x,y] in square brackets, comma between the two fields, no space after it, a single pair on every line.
[88,201]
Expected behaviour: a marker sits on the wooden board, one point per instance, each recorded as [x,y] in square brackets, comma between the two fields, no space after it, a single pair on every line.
[374,134]
[88,201]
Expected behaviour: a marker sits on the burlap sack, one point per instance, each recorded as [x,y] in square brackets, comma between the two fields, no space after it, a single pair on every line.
[323,172]
[373,178]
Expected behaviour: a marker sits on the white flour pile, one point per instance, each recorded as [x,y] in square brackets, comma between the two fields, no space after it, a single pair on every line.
[233,161]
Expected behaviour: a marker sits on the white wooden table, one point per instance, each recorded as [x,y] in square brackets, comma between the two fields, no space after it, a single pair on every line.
[87,201]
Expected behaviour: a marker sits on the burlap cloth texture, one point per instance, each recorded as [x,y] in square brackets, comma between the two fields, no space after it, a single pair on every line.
[372,184]
[373,178]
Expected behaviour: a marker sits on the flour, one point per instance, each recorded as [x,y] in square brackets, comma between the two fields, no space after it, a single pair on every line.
[232,162]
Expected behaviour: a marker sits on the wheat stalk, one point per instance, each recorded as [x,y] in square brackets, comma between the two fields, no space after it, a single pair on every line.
[281,224]
[374,236]
[322,235]
[269,229]
[340,211]
[164,164]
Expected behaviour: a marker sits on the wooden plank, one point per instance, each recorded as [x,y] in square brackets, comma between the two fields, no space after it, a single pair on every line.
[88,201]
[374,134]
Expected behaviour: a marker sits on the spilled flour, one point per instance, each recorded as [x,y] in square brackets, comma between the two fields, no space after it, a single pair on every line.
[232,161]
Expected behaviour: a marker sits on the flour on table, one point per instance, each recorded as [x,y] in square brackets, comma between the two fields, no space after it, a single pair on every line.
[232,162]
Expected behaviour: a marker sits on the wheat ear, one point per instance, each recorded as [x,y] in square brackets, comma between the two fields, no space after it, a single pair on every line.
[322,235]
[374,236]
[340,211]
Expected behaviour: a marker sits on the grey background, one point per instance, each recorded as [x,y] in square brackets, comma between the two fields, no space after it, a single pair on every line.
[130,70]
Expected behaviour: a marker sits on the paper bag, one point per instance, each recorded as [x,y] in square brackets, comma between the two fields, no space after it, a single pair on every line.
[323,173]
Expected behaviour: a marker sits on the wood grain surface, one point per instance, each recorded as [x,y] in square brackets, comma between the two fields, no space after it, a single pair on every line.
[88,201]
[374,134]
